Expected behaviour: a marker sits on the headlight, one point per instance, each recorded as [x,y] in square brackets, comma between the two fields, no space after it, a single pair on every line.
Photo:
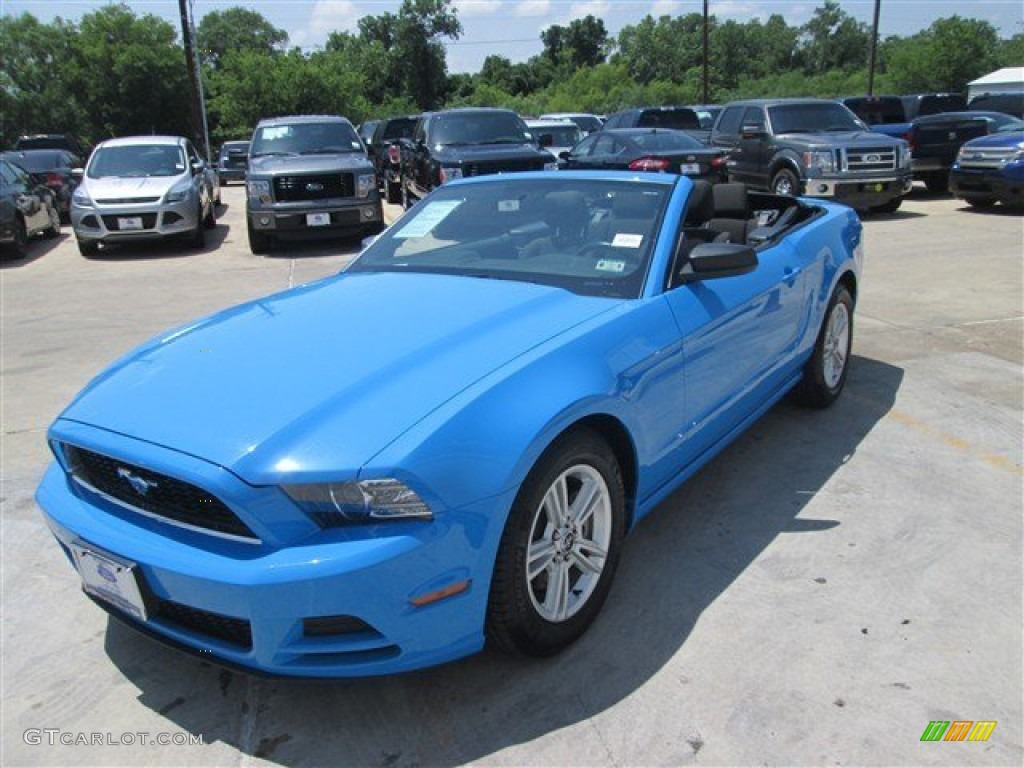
[447,174]
[364,183]
[551,166]
[820,159]
[364,501]
[259,191]
[904,155]
[80,196]
[179,193]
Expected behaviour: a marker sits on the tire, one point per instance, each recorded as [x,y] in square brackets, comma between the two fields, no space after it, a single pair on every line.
[891,207]
[981,202]
[88,248]
[785,182]
[826,371]
[18,248]
[54,229]
[573,561]
[259,243]
[394,192]
[210,220]
[937,182]
[197,239]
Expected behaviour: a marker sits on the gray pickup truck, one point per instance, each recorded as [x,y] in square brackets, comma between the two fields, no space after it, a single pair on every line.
[309,177]
[815,148]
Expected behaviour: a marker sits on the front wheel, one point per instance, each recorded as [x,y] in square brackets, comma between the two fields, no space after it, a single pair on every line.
[559,549]
[937,182]
[890,207]
[259,243]
[785,182]
[88,248]
[981,202]
[825,373]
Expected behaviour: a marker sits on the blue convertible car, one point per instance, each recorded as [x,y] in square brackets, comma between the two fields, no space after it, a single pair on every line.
[448,441]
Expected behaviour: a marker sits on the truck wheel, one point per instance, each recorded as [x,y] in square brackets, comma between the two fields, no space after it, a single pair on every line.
[394,192]
[259,242]
[981,202]
[785,182]
[891,207]
[937,182]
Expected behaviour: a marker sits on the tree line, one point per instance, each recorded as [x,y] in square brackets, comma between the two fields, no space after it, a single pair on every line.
[117,73]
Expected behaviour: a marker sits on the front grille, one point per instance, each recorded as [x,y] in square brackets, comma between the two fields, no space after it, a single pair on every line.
[127,200]
[989,157]
[155,493]
[291,189]
[148,222]
[230,630]
[868,159]
[502,166]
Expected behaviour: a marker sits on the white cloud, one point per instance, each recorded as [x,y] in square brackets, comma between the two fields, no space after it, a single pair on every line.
[325,17]
[666,8]
[533,8]
[596,8]
[477,7]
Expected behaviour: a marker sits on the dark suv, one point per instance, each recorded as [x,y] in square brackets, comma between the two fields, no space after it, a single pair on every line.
[813,147]
[386,154]
[679,118]
[309,176]
[467,142]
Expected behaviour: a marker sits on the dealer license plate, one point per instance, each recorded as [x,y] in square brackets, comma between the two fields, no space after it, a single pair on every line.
[318,219]
[690,169]
[112,579]
[129,222]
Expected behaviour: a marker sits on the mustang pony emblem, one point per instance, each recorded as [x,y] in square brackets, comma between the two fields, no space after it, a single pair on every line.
[139,484]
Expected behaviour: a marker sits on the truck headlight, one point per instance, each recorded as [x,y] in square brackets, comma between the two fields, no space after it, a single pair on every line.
[364,183]
[821,160]
[259,191]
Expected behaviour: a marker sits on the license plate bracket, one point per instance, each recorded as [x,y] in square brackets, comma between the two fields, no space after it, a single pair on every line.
[690,169]
[110,578]
[318,219]
[129,222]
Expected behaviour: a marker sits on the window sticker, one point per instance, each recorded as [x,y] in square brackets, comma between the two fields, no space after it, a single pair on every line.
[610,265]
[627,240]
[508,206]
[425,221]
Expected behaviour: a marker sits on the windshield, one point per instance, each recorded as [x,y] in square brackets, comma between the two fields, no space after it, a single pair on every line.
[137,160]
[38,161]
[478,128]
[305,139]
[561,135]
[813,118]
[398,129]
[591,237]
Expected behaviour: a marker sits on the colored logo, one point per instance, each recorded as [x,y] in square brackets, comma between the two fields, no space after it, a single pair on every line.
[106,573]
[139,484]
[958,730]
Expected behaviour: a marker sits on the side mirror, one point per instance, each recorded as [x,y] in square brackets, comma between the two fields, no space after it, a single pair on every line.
[77,173]
[709,261]
[545,140]
[197,167]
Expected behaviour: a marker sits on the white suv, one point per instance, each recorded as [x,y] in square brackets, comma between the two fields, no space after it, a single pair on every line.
[142,188]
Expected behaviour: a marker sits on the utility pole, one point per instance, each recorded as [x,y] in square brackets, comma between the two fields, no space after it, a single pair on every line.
[874,48]
[193,80]
[705,99]
[199,82]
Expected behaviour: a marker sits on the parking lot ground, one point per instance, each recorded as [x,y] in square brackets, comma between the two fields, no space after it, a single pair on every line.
[821,592]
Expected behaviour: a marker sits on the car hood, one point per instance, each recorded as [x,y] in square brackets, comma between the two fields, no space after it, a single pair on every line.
[488,152]
[271,165]
[841,138]
[319,379]
[113,187]
[1008,139]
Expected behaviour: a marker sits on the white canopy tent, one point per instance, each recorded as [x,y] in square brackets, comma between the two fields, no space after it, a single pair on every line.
[1006,80]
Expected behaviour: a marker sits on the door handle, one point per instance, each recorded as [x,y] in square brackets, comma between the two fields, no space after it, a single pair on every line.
[790,274]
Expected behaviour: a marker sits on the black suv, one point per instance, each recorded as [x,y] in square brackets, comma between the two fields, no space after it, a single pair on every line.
[467,142]
[813,147]
[386,154]
[309,176]
[50,141]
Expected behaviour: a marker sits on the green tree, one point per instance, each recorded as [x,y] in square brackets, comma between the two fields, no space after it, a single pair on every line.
[832,39]
[237,29]
[661,49]
[583,43]
[945,57]
[421,27]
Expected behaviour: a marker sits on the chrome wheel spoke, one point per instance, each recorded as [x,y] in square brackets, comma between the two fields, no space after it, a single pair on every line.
[556,599]
[556,502]
[589,557]
[539,557]
[586,500]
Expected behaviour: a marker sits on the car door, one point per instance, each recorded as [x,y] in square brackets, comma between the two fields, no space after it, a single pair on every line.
[579,155]
[739,337]
[753,146]
[26,198]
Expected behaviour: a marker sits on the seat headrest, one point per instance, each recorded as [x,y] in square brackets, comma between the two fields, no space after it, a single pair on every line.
[566,213]
[700,206]
[634,204]
[731,201]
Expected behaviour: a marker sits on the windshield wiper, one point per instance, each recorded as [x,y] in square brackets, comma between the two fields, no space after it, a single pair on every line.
[274,154]
[503,141]
[327,151]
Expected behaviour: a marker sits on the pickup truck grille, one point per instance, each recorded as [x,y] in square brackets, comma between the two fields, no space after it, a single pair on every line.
[989,157]
[868,159]
[295,189]
[502,166]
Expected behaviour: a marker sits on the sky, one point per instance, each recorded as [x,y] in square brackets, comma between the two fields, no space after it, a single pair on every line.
[512,28]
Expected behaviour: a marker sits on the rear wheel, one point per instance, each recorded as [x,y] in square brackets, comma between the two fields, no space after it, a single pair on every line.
[259,242]
[559,549]
[825,373]
[785,182]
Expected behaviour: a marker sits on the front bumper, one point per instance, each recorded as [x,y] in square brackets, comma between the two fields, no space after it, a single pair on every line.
[1006,184]
[110,223]
[327,220]
[859,193]
[256,606]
